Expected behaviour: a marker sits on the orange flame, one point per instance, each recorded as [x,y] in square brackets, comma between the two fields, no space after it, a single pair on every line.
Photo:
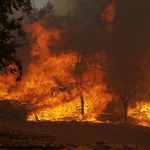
[44,84]
[109,13]
[141,114]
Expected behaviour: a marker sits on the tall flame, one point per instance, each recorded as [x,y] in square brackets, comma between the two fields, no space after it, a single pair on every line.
[44,84]
[45,88]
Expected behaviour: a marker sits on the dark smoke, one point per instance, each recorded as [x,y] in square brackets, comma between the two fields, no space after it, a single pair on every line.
[131,30]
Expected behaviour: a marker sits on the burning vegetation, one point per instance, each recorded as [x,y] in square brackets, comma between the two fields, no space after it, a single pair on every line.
[72,76]
[57,85]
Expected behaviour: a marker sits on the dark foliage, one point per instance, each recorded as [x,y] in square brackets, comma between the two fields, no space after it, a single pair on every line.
[8,42]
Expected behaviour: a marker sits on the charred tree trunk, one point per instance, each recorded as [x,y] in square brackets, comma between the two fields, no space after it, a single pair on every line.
[79,62]
[125,101]
[82,104]
[125,106]
[36,117]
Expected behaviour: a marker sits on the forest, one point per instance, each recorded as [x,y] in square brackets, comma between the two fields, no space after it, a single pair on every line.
[88,64]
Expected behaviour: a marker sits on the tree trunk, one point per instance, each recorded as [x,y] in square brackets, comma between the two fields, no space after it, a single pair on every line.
[82,104]
[125,113]
[79,64]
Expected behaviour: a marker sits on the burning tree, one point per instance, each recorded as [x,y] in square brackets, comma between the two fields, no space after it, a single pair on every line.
[72,50]
[84,39]
[58,79]
[126,67]
[128,78]
[61,81]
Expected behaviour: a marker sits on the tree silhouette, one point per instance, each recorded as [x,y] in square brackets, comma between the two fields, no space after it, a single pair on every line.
[9,27]
[128,79]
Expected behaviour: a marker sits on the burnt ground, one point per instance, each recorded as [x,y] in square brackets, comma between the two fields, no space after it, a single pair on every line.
[88,132]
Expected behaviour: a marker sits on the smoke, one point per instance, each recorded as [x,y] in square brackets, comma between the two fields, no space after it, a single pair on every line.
[131,21]
[127,32]
[130,40]
[123,27]
[127,27]
[131,26]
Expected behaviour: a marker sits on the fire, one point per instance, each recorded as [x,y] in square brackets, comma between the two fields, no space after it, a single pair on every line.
[52,88]
[50,84]
[109,13]
[141,114]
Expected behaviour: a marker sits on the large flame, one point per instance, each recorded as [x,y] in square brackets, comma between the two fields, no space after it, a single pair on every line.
[50,85]
[44,86]
[140,114]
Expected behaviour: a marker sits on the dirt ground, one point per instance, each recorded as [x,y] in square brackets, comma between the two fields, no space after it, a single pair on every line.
[88,132]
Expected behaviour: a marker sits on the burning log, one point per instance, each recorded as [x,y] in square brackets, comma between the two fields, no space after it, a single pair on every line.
[82,105]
